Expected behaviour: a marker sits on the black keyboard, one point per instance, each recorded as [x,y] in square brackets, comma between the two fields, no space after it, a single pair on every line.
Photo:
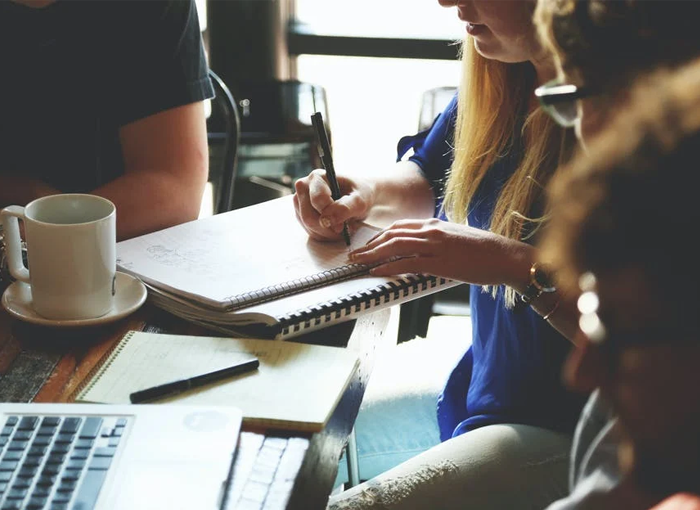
[56,462]
[264,472]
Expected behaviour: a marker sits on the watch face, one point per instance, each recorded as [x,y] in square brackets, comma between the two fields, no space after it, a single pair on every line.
[542,279]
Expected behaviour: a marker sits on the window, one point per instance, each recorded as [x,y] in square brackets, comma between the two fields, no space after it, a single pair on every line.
[373,101]
[412,19]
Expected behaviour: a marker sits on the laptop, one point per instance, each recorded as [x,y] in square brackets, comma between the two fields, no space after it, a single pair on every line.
[97,456]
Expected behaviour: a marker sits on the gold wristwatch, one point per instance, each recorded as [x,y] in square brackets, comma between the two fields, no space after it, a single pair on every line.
[540,283]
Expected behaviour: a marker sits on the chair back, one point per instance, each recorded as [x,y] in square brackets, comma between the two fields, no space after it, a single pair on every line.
[278,141]
[224,135]
[433,102]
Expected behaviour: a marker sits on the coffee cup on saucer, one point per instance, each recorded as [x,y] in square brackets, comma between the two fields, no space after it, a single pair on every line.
[71,251]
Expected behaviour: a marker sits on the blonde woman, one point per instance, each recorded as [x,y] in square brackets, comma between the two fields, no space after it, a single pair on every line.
[504,417]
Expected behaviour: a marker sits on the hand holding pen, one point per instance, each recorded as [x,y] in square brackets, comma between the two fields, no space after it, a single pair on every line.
[324,150]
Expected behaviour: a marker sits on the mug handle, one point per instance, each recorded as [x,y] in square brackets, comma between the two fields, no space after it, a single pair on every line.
[10,223]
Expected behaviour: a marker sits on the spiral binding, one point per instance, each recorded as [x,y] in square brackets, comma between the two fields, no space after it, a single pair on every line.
[291,287]
[356,303]
[100,367]
[336,310]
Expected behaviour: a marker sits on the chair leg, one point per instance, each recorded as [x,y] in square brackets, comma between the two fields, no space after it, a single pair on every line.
[352,460]
[414,317]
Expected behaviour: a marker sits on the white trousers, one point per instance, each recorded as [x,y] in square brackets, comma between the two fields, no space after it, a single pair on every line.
[497,467]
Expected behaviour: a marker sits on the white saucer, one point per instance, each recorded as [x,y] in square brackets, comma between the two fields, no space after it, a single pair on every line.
[130,295]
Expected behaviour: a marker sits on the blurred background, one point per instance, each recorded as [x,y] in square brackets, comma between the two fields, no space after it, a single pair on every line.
[367,65]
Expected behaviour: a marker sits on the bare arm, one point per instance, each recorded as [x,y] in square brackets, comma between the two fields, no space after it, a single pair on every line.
[402,193]
[18,190]
[559,308]
[466,254]
[166,167]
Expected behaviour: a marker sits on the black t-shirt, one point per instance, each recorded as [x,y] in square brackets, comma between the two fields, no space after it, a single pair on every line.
[73,73]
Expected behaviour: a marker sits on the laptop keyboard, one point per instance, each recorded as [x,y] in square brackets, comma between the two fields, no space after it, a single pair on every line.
[56,462]
[61,462]
[264,472]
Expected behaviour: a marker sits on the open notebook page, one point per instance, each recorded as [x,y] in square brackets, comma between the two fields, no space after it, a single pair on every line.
[215,259]
[296,386]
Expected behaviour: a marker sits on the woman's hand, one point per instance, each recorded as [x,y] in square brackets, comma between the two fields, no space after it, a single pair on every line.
[446,249]
[320,215]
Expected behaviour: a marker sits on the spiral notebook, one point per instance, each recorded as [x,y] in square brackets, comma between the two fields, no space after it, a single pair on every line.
[254,272]
[297,386]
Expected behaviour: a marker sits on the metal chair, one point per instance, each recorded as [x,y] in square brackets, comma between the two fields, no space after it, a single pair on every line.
[278,142]
[224,135]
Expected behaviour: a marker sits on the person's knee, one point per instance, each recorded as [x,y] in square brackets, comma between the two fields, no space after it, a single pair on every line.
[495,467]
[419,485]
[506,446]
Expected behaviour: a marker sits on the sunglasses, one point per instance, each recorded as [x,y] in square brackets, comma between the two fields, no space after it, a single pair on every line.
[558,100]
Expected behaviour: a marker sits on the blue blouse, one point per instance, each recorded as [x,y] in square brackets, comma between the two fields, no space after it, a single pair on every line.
[512,371]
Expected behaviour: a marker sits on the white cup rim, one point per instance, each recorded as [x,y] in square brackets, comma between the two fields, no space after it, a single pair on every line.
[61,196]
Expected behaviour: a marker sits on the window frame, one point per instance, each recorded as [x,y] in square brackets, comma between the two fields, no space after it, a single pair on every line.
[302,39]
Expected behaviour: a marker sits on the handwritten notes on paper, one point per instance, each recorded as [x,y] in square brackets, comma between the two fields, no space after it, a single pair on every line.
[215,259]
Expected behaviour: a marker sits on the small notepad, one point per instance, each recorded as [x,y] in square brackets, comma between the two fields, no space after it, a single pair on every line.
[296,386]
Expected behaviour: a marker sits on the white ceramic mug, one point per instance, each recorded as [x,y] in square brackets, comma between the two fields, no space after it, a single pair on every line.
[71,252]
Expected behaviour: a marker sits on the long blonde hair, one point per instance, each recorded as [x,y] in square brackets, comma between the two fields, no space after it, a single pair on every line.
[494,103]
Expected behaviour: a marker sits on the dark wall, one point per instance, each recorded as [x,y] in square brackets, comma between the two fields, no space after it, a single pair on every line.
[246,40]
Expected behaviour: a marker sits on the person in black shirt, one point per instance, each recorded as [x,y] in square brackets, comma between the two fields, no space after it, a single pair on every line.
[106,98]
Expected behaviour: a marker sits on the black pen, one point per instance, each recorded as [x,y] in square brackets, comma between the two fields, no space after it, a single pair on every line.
[324,150]
[176,387]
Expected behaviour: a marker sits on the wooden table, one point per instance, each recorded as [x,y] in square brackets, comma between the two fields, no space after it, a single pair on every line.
[45,365]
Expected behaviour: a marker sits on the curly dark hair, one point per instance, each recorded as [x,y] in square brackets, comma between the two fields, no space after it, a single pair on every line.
[604,43]
[630,200]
